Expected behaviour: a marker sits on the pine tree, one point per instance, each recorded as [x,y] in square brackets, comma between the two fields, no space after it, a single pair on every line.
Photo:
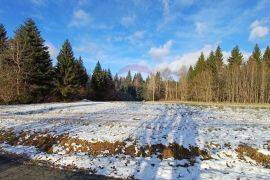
[236,57]
[37,62]
[256,54]
[3,44]
[211,62]
[3,39]
[218,80]
[128,79]
[116,82]
[200,65]
[266,55]
[99,83]
[81,73]
[219,57]
[67,84]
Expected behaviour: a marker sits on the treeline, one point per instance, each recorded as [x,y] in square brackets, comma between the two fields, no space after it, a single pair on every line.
[26,71]
[27,75]
[211,80]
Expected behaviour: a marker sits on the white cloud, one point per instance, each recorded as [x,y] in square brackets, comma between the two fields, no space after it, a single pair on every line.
[136,67]
[184,2]
[136,37]
[161,52]
[166,7]
[200,27]
[52,50]
[128,20]
[258,30]
[191,58]
[80,18]
[185,59]
[38,2]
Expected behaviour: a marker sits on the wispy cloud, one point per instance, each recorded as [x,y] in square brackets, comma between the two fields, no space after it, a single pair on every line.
[128,20]
[190,58]
[132,38]
[136,67]
[200,27]
[258,30]
[52,50]
[80,18]
[159,53]
[185,2]
[38,2]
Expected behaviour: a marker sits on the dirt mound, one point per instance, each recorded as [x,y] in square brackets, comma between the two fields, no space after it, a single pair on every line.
[53,144]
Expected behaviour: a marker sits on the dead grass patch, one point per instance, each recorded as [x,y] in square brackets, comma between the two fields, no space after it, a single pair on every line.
[260,158]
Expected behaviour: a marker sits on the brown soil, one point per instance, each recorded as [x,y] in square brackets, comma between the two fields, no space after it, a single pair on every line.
[45,142]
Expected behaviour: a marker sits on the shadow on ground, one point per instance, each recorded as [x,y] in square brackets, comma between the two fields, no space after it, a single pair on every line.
[13,169]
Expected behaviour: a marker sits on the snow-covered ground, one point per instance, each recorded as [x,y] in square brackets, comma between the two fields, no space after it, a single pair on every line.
[217,130]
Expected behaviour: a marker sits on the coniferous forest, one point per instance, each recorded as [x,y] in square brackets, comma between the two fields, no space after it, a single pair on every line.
[27,75]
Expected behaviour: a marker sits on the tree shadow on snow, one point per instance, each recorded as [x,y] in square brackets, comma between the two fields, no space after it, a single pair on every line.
[174,125]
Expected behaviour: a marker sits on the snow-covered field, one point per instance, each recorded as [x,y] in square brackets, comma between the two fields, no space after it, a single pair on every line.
[144,140]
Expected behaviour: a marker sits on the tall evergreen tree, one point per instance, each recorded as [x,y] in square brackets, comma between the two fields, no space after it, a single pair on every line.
[256,54]
[129,79]
[236,57]
[81,73]
[67,84]
[200,65]
[3,39]
[38,62]
[266,55]
[31,62]
[3,43]
[99,82]
[211,62]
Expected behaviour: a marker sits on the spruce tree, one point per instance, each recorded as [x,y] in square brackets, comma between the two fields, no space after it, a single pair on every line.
[200,65]
[236,57]
[3,39]
[210,62]
[81,73]
[99,82]
[128,79]
[3,44]
[31,60]
[266,55]
[67,84]
[37,61]
[219,58]
[256,54]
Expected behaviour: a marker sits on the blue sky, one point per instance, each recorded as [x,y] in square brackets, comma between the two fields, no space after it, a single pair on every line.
[143,35]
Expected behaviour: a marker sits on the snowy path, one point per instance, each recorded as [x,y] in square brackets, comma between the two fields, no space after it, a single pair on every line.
[218,130]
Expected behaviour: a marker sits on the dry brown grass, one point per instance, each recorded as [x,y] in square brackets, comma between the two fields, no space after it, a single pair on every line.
[221,104]
[260,158]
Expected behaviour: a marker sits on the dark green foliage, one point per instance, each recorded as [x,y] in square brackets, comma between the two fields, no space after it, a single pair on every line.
[70,73]
[256,54]
[3,44]
[211,62]
[3,39]
[266,56]
[37,62]
[200,65]
[82,76]
[102,84]
[219,56]
[236,57]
